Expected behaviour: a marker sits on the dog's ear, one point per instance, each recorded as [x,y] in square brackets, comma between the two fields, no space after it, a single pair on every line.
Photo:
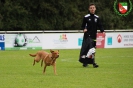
[51,51]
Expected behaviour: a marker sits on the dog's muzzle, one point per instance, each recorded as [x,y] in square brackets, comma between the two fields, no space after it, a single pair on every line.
[57,56]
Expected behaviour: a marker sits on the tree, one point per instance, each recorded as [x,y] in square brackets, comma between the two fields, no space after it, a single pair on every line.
[58,14]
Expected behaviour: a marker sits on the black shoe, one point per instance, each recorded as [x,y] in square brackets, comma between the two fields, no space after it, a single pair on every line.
[95,66]
[85,65]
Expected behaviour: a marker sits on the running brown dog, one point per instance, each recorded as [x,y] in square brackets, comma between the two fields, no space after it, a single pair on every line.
[47,58]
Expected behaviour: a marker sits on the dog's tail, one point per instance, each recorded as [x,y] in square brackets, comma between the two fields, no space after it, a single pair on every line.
[33,55]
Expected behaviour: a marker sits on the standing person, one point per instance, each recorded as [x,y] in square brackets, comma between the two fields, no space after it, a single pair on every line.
[89,26]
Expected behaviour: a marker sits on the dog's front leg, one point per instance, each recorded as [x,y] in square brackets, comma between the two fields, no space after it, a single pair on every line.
[54,67]
[44,69]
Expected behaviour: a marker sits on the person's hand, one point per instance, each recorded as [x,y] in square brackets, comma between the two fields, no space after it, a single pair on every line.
[85,30]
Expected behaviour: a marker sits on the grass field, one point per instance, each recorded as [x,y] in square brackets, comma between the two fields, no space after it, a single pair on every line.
[115,71]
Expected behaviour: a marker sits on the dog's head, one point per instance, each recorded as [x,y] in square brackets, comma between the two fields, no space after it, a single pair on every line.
[55,53]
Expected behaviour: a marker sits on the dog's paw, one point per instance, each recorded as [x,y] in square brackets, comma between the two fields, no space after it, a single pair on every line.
[56,74]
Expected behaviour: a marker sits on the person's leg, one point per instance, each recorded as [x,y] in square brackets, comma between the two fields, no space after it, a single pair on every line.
[94,64]
[93,56]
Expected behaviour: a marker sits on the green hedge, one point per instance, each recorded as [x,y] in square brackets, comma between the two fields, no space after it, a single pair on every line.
[57,14]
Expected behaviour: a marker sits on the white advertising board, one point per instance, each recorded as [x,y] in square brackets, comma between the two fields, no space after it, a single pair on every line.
[62,41]
[119,40]
[23,41]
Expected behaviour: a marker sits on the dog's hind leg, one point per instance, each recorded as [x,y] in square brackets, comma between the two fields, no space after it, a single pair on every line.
[41,62]
[33,62]
[44,69]
[36,59]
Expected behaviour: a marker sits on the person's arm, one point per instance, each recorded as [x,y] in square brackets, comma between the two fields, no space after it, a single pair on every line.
[84,25]
[100,26]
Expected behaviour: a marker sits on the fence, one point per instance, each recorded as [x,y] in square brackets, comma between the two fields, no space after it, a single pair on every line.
[61,31]
[62,39]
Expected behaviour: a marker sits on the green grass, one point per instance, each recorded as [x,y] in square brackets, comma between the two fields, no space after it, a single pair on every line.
[115,71]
